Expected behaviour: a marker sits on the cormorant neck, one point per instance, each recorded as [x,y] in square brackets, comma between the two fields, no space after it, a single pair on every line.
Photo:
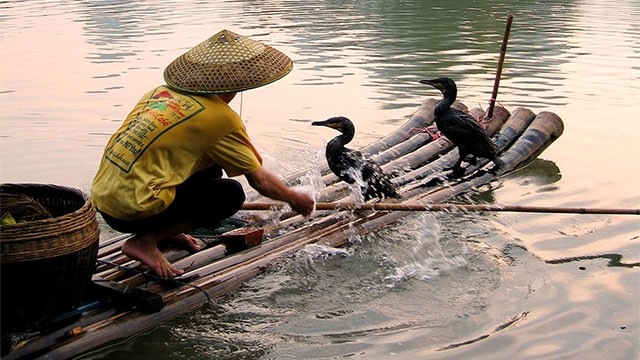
[340,140]
[445,104]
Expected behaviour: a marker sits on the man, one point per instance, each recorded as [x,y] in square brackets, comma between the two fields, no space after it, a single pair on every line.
[161,172]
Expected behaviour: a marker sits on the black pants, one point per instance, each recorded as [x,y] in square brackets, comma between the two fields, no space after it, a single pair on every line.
[203,200]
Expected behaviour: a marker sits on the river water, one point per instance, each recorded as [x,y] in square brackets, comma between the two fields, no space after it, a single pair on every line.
[464,286]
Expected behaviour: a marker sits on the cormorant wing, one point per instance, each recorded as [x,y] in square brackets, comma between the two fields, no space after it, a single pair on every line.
[469,133]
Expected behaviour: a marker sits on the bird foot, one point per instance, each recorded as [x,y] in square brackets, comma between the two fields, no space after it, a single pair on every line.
[457,173]
[494,170]
[433,182]
[472,160]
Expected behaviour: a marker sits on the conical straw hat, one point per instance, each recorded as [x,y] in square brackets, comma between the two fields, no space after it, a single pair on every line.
[226,62]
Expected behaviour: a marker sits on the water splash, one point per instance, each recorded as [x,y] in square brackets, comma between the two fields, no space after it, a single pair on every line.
[275,213]
[358,187]
[311,182]
[314,252]
[426,258]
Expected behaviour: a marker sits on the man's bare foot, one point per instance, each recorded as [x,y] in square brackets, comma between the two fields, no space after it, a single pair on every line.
[185,240]
[144,248]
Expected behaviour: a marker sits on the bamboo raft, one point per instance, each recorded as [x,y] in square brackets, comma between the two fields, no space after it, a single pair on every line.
[134,303]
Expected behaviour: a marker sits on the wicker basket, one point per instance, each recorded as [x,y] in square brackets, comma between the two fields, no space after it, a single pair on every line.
[46,264]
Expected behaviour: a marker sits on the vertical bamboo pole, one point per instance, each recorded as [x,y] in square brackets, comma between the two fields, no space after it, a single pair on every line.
[503,51]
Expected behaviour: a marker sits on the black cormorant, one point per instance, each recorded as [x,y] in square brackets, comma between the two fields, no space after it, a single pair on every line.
[461,128]
[349,165]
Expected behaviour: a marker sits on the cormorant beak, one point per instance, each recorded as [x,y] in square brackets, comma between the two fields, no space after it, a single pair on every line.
[327,123]
[436,85]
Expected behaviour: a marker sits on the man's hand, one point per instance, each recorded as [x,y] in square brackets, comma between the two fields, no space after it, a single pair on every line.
[302,203]
[271,186]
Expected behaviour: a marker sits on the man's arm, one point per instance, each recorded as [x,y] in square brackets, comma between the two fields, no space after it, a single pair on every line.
[269,185]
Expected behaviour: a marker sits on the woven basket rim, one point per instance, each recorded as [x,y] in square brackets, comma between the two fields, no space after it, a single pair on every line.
[51,237]
[67,220]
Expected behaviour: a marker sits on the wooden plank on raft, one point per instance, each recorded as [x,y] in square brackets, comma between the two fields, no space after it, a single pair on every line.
[125,296]
[213,248]
[410,156]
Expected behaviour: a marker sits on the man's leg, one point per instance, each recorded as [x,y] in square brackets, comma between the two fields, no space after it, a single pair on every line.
[203,200]
[208,200]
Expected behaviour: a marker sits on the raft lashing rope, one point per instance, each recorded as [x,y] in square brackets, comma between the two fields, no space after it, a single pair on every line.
[434,133]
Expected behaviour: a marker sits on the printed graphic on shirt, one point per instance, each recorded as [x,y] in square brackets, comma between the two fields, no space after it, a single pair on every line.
[161,113]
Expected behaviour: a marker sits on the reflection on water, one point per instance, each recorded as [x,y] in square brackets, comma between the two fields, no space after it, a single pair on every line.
[442,286]
[614,260]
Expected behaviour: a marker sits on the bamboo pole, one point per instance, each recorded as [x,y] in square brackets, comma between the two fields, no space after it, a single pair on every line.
[451,207]
[503,51]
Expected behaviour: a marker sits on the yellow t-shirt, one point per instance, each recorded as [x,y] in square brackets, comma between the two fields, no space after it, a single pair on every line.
[166,138]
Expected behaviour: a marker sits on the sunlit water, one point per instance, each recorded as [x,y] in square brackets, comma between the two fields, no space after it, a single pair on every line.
[433,286]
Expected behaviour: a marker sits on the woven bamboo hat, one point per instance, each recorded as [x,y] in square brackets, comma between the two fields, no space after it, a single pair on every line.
[226,62]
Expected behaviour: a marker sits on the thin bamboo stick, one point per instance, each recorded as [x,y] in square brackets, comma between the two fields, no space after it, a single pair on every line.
[452,207]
